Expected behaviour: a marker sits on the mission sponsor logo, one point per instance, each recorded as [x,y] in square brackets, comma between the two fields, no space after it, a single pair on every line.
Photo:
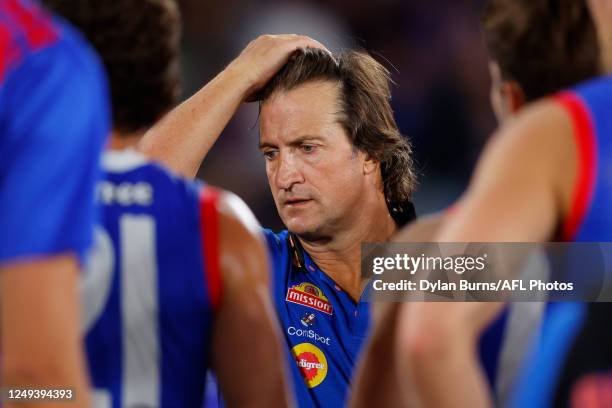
[312,363]
[307,294]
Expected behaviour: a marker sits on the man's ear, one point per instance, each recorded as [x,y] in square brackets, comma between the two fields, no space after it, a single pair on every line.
[370,165]
[514,96]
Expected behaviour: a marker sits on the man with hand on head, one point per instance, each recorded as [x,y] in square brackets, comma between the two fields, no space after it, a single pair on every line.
[340,174]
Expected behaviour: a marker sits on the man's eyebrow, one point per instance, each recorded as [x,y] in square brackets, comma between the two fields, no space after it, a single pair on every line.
[266,145]
[298,140]
[303,138]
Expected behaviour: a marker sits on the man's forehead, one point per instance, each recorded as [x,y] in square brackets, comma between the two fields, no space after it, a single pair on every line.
[311,97]
[306,110]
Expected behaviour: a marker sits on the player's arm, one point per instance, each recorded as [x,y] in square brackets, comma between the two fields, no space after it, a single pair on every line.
[247,353]
[423,229]
[520,191]
[41,342]
[378,380]
[184,136]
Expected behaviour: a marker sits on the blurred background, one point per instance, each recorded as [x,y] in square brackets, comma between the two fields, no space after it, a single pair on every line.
[433,50]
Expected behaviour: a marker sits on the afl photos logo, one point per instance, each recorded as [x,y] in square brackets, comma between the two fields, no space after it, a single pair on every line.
[307,294]
[312,363]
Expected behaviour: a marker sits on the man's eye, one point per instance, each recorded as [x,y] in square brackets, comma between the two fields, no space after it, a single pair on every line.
[308,148]
[270,154]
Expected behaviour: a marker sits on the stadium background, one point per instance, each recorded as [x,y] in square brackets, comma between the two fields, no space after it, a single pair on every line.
[433,50]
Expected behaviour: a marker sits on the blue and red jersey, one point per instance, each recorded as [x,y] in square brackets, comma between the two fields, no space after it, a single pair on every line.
[54,118]
[323,327]
[151,286]
[572,364]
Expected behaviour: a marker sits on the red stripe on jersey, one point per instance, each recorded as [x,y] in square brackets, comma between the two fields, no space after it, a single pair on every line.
[37,26]
[209,231]
[584,137]
[31,22]
[9,53]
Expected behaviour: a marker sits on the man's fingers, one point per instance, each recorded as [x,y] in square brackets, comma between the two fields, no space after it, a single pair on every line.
[273,51]
[307,42]
[265,55]
[291,41]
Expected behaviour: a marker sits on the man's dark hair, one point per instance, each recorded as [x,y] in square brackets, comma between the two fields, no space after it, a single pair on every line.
[138,43]
[365,114]
[543,45]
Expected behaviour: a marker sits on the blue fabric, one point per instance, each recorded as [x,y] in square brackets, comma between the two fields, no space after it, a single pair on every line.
[539,377]
[54,118]
[324,333]
[180,310]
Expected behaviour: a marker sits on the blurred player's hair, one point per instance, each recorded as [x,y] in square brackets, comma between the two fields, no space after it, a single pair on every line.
[366,113]
[138,41]
[527,38]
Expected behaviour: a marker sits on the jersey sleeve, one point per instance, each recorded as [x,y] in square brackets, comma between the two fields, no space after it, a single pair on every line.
[54,116]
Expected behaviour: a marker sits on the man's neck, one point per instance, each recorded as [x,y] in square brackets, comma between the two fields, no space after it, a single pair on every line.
[120,141]
[340,257]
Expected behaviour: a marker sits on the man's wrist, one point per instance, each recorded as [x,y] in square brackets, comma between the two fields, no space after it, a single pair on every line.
[237,79]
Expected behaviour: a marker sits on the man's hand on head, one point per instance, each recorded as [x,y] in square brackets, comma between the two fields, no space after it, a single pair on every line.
[264,56]
[185,135]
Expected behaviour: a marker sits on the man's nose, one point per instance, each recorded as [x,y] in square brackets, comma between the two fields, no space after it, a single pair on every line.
[288,172]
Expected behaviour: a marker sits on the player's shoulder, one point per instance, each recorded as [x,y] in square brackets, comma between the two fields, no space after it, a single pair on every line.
[539,134]
[233,209]
[543,114]
[26,27]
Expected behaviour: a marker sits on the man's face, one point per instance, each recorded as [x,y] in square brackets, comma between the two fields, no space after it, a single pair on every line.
[316,176]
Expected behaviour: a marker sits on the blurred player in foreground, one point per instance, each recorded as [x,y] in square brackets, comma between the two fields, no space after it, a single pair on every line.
[54,119]
[522,71]
[180,271]
[559,184]
[340,174]
[572,364]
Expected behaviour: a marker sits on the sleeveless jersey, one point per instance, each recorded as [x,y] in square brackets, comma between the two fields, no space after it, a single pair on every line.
[151,286]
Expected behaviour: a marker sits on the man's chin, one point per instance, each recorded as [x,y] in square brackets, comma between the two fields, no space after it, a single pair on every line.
[298,225]
[308,232]
[298,228]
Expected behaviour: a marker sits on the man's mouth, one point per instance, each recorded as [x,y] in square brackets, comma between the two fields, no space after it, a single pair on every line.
[297,202]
